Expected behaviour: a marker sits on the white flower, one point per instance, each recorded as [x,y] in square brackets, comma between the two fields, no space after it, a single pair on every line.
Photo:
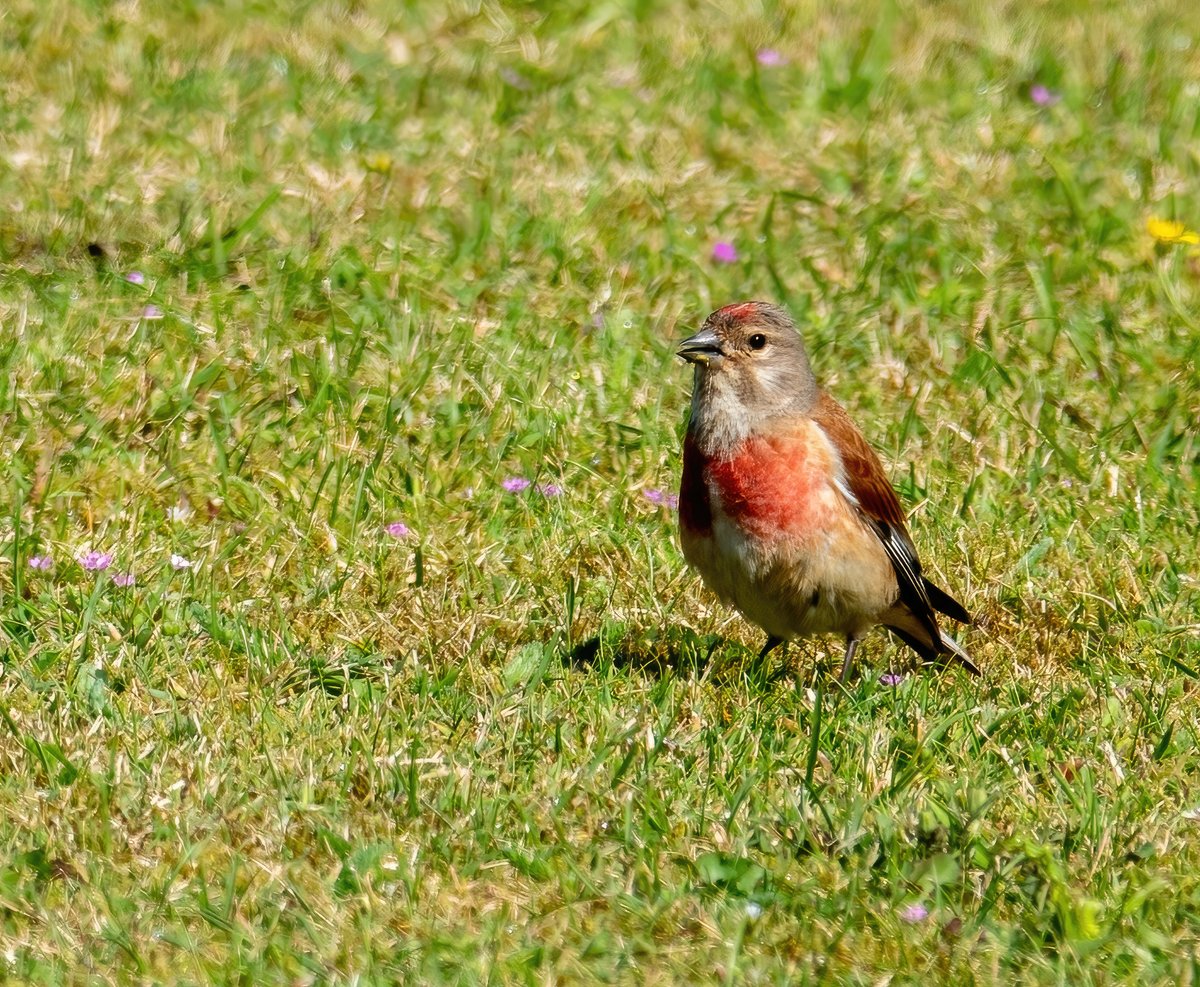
[179,562]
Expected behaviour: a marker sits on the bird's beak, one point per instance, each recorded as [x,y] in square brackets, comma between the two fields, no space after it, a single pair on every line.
[701,348]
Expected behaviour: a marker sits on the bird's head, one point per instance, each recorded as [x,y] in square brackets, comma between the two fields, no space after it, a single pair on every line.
[750,365]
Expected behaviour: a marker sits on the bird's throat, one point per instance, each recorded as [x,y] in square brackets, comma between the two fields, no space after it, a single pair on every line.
[720,420]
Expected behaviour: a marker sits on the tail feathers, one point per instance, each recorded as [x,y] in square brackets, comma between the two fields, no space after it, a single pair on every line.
[958,654]
[943,602]
[945,650]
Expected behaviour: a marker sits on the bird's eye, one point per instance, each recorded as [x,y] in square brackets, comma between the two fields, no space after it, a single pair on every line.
[758,341]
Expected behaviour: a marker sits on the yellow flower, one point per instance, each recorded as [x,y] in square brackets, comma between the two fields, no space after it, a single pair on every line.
[1170,231]
[381,163]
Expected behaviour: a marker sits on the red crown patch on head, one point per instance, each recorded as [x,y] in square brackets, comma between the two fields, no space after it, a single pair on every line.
[739,311]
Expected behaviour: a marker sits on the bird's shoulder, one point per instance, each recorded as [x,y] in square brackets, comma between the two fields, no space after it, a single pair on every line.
[863,472]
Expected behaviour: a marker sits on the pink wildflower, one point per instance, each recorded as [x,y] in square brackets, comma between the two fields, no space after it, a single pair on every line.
[1043,96]
[724,252]
[95,561]
[663,499]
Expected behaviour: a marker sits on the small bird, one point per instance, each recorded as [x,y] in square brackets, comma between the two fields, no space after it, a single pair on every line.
[784,508]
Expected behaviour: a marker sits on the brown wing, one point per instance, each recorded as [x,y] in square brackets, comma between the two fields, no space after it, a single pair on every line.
[864,472]
[879,506]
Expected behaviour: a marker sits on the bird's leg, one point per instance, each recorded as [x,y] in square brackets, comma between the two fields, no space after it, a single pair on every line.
[851,647]
[785,668]
[773,642]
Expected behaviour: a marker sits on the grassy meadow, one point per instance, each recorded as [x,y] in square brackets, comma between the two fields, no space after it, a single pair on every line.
[344,632]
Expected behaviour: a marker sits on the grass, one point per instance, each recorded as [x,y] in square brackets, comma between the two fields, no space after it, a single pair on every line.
[394,254]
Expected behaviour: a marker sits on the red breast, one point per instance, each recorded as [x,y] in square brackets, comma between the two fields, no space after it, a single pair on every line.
[768,485]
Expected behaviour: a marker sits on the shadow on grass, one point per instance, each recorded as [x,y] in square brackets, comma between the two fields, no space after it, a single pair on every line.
[675,649]
[679,650]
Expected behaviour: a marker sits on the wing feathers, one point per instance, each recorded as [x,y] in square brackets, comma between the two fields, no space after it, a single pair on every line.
[872,494]
[907,566]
